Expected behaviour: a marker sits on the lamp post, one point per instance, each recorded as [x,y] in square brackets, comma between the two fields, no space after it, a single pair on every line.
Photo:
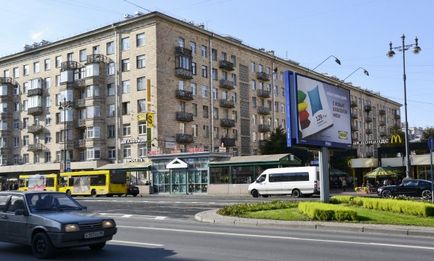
[336,61]
[360,68]
[64,106]
[416,49]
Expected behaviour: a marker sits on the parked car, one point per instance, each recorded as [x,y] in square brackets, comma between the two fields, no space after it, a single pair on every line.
[48,221]
[408,187]
[133,190]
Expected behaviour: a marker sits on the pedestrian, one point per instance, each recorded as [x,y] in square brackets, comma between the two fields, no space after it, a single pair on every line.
[344,184]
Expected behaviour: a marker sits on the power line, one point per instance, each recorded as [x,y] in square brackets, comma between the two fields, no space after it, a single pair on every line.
[136,5]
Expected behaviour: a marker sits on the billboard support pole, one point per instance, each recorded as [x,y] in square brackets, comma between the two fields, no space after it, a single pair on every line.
[324,159]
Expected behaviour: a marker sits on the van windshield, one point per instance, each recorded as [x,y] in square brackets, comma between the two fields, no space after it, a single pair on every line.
[260,179]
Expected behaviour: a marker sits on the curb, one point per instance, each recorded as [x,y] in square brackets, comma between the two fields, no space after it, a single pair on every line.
[211,216]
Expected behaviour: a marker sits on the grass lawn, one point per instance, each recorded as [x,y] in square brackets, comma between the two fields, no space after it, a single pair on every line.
[367,216]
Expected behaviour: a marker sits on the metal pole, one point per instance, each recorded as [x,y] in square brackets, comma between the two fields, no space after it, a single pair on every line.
[65,135]
[324,159]
[407,150]
[432,179]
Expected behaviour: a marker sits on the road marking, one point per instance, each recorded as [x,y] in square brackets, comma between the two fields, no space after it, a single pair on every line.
[281,237]
[120,242]
[121,215]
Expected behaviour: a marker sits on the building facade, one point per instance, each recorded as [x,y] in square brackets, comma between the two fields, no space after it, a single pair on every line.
[150,85]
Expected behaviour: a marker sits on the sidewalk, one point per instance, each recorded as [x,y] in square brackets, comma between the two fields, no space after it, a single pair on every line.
[211,216]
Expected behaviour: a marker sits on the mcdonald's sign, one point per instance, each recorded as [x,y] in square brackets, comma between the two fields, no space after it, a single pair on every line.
[395,138]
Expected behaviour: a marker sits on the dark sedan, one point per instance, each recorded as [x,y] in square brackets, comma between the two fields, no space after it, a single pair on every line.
[50,220]
[408,187]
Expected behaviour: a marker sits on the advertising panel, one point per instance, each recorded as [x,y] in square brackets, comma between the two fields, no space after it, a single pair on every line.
[321,113]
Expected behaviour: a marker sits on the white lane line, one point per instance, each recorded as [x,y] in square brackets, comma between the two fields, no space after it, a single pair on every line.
[121,215]
[282,237]
[120,242]
[127,216]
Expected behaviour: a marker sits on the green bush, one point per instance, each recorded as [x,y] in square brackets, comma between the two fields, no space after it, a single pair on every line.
[394,205]
[241,209]
[327,212]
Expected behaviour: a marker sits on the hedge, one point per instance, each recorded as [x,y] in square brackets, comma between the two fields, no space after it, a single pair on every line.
[394,205]
[241,209]
[327,212]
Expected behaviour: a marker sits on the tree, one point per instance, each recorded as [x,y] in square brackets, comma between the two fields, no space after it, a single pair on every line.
[276,144]
[427,132]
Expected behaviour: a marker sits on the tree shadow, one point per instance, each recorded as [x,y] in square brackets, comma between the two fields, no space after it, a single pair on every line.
[110,252]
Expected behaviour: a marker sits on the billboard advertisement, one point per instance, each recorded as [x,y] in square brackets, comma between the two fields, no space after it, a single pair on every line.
[320,112]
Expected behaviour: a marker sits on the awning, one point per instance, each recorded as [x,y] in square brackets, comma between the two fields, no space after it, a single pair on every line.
[134,166]
[273,159]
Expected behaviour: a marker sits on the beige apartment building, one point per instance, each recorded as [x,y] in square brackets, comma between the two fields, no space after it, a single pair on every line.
[152,84]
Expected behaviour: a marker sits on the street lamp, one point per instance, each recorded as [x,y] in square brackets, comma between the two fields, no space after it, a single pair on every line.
[360,68]
[416,49]
[336,61]
[64,106]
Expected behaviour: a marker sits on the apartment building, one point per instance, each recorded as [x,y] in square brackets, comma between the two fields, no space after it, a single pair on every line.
[148,85]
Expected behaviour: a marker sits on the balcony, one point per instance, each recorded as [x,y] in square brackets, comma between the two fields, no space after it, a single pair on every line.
[81,143]
[263,93]
[184,116]
[354,116]
[35,147]
[184,138]
[354,128]
[353,104]
[382,112]
[264,128]
[184,95]
[228,142]
[227,103]
[80,103]
[226,84]
[263,76]
[226,65]
[35,128]
[227,123]
[5,150]
[367,108]
[181,51]
[33,92]
[184,73]
[81,123]
[368,119]
[7,80]
[263,110]
[397,116]
[368,131]
[96,58]
[35,110]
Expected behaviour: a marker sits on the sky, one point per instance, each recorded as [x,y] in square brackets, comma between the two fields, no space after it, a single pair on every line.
[358,32]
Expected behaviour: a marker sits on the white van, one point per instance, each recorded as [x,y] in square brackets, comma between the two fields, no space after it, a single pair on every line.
[295,181]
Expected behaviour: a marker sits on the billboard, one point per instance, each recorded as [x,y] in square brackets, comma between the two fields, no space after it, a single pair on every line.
[320,113]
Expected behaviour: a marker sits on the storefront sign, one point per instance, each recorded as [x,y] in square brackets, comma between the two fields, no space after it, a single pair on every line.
[134,140]
[363,142]
[395,139]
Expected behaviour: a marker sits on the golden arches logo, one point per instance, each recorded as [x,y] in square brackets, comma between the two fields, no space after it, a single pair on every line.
[395,139]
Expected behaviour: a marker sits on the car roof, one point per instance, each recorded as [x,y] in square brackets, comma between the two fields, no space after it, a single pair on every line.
[15,192]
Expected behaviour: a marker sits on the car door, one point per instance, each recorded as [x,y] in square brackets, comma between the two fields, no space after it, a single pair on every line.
[409,188]
[4,198]
[17,224]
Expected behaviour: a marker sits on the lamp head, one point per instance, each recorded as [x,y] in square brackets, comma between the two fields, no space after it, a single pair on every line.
[416,48]
[390,53]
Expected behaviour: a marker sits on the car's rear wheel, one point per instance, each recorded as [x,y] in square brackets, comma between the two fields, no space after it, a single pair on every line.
[296,193]
[255,193]
[386,193]
[98,246]
[41,246]
[426,194]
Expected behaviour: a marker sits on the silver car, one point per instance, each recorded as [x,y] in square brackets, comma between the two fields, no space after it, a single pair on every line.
[50,220]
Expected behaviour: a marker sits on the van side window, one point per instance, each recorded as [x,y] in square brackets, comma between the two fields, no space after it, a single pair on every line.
[285,177]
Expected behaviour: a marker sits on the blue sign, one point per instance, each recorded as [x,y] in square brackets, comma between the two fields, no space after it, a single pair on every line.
[431,143]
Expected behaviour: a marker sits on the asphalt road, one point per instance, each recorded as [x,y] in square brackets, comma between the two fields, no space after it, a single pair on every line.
[164,229]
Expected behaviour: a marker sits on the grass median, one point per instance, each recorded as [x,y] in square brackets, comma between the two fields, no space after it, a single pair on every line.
[286,210]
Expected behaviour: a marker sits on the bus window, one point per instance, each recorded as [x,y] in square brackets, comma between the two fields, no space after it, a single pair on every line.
[97,180]
[118,177]
[49,182]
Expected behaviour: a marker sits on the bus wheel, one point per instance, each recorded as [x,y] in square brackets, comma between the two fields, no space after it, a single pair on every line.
[93,193]
[68,193]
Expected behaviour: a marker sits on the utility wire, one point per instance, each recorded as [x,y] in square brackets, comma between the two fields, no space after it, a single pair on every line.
[136,5]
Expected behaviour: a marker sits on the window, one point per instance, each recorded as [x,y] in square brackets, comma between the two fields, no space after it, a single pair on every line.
[47,156]
[140,39]
[141,105]
[36,67]
[203,51]
[233,60]
[93,132]
[16,142]
[205,131]
[142,128]
[141,84]
[181,42]
[193,88]
[193,47]
[214,94]
[25,69]
[214,54]
[110,89]
[125,44]
[214,74]
[69,57]
[253,67]
[47,82]
[193,68]
[58,61]
[215,113]
[93,153]
[127,151]
[110,48]
[126,129]
[126,86]
[111,69]
[142,150]
[111,131]
[25,140]
[205,112]
[284,177]
[111,110]
[194,109]
[111,152]
[204,71]
[140,61]
[204,91]
[16,72]
[82,55]
[125,65]
[47,64]
[95,49]
[194,130]
[126,108]
[254,102]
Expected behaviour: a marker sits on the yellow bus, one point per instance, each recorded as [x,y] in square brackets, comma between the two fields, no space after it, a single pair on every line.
[38,182]
[93,183]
